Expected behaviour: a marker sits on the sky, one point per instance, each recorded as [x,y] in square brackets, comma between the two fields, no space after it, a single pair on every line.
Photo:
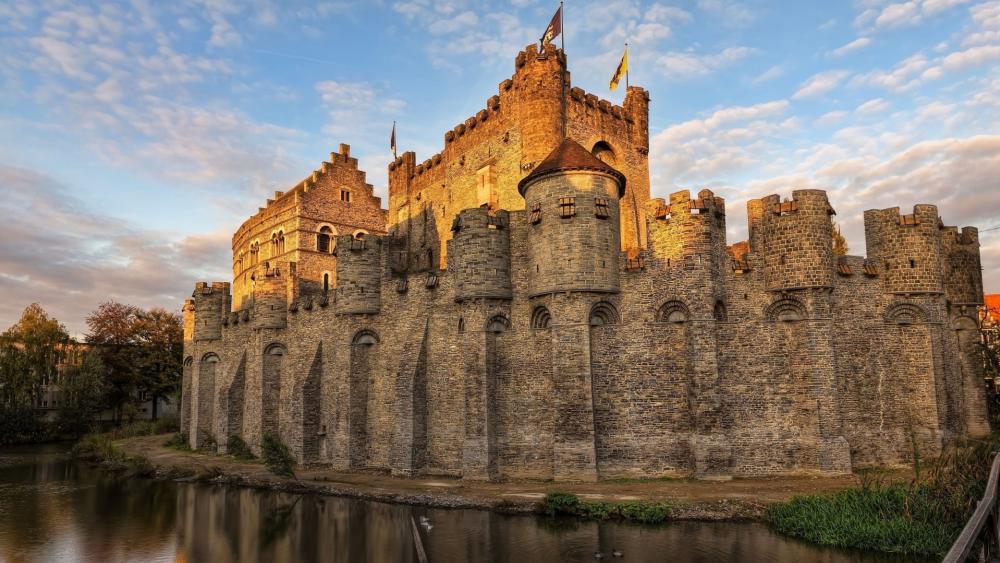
[136,136]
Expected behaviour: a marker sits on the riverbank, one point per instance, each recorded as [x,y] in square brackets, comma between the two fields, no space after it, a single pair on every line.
[689,499]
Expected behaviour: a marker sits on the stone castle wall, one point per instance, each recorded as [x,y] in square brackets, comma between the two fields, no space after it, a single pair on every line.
[549,349]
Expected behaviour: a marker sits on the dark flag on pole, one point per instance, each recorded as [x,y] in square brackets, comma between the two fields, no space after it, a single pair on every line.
[392,140]
[554,28]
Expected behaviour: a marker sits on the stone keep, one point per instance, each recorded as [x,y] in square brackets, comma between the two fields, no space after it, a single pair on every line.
[524,309]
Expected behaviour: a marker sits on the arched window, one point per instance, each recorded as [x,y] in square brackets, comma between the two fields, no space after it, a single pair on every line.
[603,313]
[672,312]
[497,324]
[360,234]
[905,314]
[254,250]
[324,239]
[365,338]
[603,151]
[720,312]
[785,310]
[281,242]
[541,318]
[274,244]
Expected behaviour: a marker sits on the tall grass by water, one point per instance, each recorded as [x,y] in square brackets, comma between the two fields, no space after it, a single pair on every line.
[921,516]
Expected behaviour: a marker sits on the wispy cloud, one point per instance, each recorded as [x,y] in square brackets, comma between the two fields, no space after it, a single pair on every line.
[820,83]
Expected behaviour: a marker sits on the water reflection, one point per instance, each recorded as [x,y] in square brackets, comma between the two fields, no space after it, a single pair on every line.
[52,509]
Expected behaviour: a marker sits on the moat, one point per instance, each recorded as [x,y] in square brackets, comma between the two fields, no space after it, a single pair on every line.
[55,509]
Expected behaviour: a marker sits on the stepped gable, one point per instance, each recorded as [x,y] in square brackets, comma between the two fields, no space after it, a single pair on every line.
[570,155]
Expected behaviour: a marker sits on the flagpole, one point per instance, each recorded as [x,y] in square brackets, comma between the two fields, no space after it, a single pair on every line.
[562,78]
[562,28]
[626,67]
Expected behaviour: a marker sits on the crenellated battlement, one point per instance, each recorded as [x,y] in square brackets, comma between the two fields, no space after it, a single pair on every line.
[793,238]
[687,226]
[907,248]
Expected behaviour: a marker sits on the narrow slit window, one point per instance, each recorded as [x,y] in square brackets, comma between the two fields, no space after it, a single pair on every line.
[601,208]
[567,207]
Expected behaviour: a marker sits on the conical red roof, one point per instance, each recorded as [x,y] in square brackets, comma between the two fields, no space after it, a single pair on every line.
[569,155]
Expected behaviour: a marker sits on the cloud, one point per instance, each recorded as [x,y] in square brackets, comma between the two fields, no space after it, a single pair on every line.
[985,17]
[733,14]
[727,141]
[69,258]
[878,105]
[776,71]
[831,118]
[904,14]
[856,45]
[819,84]
[686,65]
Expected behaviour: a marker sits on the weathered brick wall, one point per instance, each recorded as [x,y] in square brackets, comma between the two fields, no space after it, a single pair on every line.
[530,115]
[545,351]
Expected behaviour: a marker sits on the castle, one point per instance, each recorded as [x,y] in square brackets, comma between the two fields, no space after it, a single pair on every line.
[525,309]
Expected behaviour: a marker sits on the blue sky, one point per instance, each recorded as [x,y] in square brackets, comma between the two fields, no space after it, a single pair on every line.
[136,136]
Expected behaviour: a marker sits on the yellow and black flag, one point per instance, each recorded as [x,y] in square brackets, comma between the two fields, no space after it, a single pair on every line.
[621,71]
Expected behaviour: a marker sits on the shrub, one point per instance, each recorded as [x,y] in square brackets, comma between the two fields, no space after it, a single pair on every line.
[238,448]
[277,458]
[22,425]
[166,425]
[177,442]
[567,504]
[921,517]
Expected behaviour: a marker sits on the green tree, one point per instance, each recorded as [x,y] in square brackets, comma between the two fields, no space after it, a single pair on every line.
[114,337]
[160,338]
[81,394]
[29,354]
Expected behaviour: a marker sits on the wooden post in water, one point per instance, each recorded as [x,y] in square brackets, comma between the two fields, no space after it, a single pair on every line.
[417,542]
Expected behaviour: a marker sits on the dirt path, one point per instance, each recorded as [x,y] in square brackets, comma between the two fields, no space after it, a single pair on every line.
[693,499]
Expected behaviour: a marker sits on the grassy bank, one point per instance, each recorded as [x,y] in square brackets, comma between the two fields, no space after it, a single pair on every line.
[99,447]
[566,504]
[922,516]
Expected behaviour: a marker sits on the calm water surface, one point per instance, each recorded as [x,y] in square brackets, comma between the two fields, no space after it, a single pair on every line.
[53,509]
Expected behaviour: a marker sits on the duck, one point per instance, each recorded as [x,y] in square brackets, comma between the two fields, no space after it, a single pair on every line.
[598,555]
[617,552]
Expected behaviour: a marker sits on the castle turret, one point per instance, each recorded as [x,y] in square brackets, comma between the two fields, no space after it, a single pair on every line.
[358,274]
[542,113]
[270,294]
[480,250]
[210,304]
[794,238]
[189,321]
[963,273]
[691,229]
[907,248]
[636,106]
[573,235]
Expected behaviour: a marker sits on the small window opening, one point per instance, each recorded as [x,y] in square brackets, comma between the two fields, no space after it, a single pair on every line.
[326,283]
[913,263]
[536,213]
[567,207]
[601,208]
[345,196]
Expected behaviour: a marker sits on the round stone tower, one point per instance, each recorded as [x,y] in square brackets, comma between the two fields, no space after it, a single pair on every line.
[358,274]
[795,238]
[907,248]
[480,251]
[572,202]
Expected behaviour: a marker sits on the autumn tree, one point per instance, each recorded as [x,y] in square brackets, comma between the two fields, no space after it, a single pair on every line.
[114,338]
[160,337]
[839,242]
